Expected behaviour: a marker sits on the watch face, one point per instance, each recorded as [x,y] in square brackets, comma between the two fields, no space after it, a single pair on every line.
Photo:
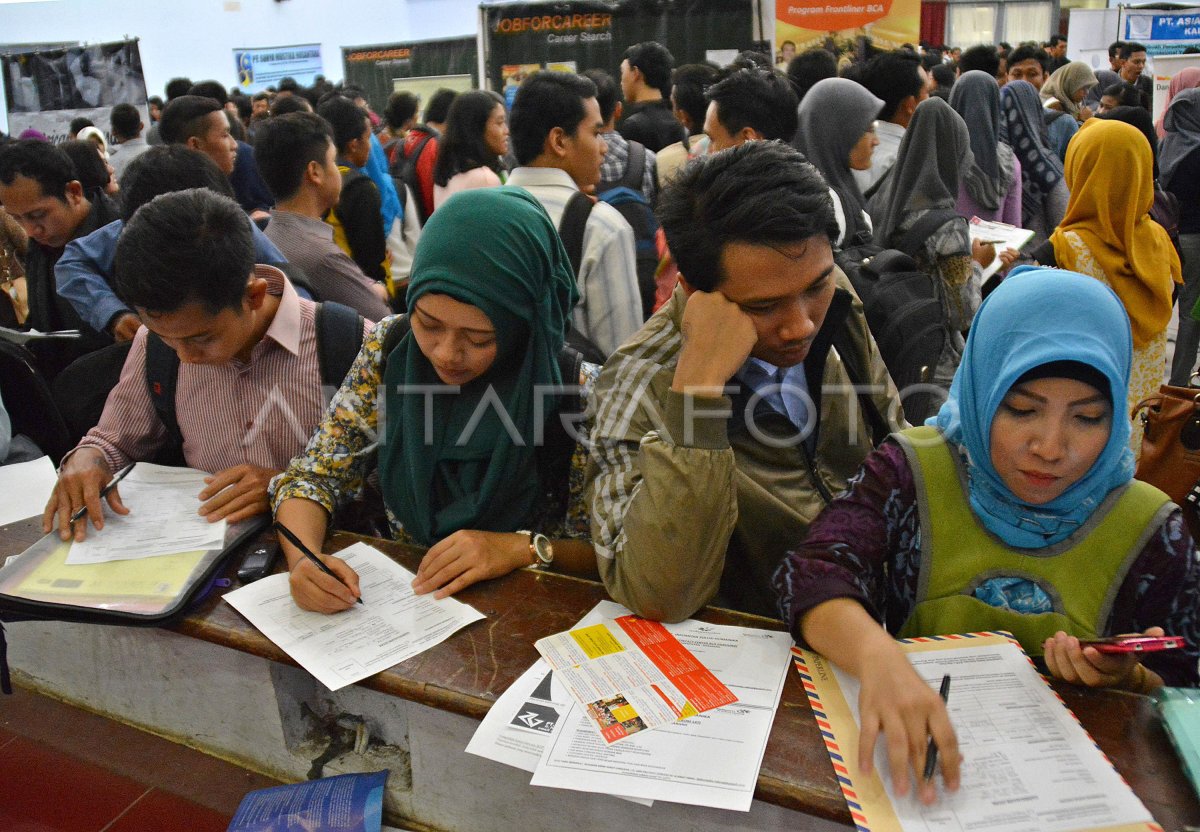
[543,549]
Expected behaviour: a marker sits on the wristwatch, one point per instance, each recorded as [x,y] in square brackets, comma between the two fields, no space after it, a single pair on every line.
[541,550]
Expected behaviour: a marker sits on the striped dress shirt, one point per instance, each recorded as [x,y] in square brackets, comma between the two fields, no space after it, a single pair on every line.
[260,412]
[610,306]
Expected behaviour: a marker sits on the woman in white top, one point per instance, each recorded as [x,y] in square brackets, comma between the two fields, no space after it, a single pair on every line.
[469,153]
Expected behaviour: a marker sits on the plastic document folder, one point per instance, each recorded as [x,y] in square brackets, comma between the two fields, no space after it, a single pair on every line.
[1180,709]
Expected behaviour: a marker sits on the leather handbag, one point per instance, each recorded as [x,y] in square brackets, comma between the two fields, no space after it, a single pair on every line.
[1171,444]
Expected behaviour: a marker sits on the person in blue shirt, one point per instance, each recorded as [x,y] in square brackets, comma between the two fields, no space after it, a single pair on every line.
[83,274]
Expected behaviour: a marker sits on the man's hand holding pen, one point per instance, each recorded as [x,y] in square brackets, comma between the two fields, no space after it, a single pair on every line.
[82,485]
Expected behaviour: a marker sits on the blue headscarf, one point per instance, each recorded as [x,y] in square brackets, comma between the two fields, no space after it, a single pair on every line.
[1023,325]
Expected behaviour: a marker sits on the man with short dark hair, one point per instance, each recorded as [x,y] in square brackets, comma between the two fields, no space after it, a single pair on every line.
[688,85]
[899,80]
[297,157]
[728,422]
[555,129]
[200,123]
[749,105]
[249,386]
[252,193]
[1133,66]
[646,83]
[126,124]
[421,146]
[356,216]
[1028,63]
[40,189]
[84,273]
[616,156]
[984,58]
[1056,52]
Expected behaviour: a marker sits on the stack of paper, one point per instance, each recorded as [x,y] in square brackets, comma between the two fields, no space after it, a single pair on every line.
[391,625]
[709,759]
[1027,764]
[632,675]
[1000,234]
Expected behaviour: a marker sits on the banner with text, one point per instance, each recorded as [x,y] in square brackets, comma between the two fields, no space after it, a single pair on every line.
[45,90]
[520,38]
[379,69]
[1163,32]
[838,24]
[258,69]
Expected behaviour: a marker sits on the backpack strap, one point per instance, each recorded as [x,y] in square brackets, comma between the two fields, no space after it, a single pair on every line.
[635,170]
[339,338]
[572,226]
[924,228]
[399,328]
[419,148]
[859,378]
[162,377]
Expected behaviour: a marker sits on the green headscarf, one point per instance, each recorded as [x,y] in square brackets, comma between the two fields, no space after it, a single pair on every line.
[496,249]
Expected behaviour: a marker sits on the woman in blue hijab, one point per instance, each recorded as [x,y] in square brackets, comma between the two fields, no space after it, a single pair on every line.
[1013,508]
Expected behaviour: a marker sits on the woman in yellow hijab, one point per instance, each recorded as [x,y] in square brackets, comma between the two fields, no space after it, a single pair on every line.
[1107,233]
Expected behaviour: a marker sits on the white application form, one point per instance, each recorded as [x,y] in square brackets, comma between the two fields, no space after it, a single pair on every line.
[391,625]
[1027,763]
[711,759]
[162,519]
[26,487]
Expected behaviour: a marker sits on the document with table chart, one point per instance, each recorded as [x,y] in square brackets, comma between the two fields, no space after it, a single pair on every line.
[391,625]
[711,759]
[163,519]
[1028,766]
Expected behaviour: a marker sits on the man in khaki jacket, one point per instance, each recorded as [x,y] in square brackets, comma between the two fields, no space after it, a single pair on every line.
[730,420]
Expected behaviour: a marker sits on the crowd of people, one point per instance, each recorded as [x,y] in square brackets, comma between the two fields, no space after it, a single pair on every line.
[611,330]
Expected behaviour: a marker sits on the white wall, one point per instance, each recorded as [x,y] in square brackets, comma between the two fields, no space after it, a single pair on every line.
[196,38]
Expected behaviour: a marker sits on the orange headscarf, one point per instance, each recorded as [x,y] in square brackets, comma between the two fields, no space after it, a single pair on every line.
[1109,171]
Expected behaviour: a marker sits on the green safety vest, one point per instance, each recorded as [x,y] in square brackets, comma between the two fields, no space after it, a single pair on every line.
[1080,574]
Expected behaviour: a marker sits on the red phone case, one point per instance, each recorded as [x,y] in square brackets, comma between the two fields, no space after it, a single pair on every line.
[1135,644]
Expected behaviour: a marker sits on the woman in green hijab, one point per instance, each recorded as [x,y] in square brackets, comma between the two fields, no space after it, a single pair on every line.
[471,453]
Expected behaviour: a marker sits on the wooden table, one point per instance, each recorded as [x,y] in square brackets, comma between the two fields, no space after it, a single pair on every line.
[468,672]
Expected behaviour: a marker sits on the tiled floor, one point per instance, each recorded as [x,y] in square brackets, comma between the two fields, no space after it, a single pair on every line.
[63,769]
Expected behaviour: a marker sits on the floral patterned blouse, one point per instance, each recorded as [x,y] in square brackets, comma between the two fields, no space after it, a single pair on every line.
[341,454]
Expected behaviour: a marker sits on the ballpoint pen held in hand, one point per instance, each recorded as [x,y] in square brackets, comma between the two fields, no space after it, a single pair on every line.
[304,550]
[104,492]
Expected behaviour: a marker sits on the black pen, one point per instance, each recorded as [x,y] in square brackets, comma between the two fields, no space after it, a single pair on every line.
[931,751]
[105,491]
[304,550]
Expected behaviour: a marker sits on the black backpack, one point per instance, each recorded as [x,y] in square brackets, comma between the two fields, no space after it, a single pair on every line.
[627,196]
[404,172]
[570,230]
[903,306]
[339,338]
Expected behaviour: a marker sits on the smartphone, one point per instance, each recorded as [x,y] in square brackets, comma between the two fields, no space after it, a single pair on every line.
[259,561]
[1135,644]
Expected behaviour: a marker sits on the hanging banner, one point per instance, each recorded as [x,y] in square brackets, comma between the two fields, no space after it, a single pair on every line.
[258,69]
[1162,32]
[520,38]
[45,90]
[837,25]
[380,70]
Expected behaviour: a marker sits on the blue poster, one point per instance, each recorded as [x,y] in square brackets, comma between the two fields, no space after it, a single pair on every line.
[258,69]
[1163,26]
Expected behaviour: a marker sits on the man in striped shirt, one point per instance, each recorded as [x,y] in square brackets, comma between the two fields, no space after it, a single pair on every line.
[249,391]
[555,128]
[724,427]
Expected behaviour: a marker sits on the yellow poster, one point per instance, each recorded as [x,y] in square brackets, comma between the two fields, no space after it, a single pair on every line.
[805,24]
